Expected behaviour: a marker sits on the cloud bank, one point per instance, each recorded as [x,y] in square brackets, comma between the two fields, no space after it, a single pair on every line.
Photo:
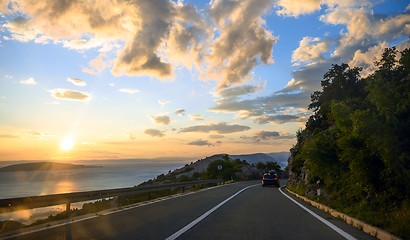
[152,37]
[221,128]
[200,143]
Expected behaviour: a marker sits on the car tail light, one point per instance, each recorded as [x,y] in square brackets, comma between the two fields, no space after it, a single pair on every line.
[275,179]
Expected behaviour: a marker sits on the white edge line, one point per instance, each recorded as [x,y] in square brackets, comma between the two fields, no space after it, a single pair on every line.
[193,223]
[329,224]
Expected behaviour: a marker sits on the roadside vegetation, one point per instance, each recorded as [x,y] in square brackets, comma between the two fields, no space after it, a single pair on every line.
[357,143]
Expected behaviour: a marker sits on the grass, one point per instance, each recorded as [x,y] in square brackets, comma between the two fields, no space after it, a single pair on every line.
[380,213]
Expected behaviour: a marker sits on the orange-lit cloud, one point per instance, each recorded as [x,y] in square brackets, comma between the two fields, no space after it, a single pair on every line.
[164,120]
[154,133]
[297,7]
[68,94]
[221,128]
[200,143]
[8,136]
[196,117]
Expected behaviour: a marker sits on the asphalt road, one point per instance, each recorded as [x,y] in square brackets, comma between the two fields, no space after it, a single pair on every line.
[253,213]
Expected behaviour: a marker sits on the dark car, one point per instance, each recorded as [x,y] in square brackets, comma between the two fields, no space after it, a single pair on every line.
[270,179]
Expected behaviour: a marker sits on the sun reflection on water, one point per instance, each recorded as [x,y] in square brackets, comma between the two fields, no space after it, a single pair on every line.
[64,186]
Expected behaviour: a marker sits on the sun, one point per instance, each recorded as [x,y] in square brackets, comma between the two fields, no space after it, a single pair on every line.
[67,143]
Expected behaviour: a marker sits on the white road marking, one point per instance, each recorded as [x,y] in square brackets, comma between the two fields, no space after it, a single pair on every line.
[107,212]
[193,223]
[332,226]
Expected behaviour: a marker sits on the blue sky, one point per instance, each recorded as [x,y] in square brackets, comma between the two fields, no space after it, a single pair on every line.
[145,79]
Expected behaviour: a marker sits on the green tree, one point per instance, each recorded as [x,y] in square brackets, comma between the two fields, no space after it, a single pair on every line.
[358,140]
[226,173]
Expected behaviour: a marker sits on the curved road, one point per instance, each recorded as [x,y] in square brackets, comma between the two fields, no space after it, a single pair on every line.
[243,210]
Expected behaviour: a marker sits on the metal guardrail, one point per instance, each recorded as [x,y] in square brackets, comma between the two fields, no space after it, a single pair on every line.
[15,204]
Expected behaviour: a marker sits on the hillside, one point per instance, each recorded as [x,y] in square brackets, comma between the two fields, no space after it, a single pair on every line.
[202,164]
[280,158]
[247,166]
[42,166]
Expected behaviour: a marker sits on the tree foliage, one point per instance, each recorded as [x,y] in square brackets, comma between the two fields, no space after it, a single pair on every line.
[357,142]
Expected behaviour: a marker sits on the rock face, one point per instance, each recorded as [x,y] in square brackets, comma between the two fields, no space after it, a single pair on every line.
[42,166]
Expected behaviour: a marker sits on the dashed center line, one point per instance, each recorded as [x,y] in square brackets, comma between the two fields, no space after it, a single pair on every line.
[196,221]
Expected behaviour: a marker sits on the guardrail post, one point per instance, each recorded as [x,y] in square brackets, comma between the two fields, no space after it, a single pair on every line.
[117,202]
[68,209]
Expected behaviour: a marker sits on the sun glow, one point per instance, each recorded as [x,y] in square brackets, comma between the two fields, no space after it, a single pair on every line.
[67,143]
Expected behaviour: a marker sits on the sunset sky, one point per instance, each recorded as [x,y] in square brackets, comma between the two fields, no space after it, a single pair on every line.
[144,79]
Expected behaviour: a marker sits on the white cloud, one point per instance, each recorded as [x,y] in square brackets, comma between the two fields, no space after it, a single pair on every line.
[310,50]
[365,29]
[163,102]
[77,82]
[241,42]
[366,59]
[128,90]
[29,81]
[68,94]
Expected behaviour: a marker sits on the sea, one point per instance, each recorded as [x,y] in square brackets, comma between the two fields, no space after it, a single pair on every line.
[108,174]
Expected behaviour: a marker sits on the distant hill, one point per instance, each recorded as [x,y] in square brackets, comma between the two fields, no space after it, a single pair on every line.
[201,165]
[279,157]
[42,166]
[246,171]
